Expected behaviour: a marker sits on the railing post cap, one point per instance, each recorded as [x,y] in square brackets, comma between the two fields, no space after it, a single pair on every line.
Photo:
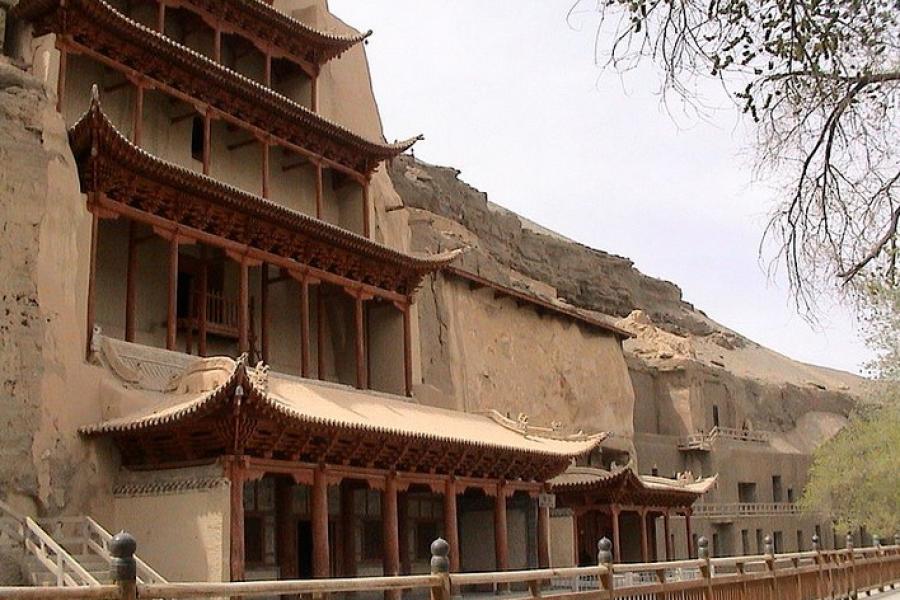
[604,551]
[122,547]
[440,552]
[703,548]
[815,541]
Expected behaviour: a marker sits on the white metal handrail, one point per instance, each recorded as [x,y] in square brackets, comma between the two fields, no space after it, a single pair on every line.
[54,557]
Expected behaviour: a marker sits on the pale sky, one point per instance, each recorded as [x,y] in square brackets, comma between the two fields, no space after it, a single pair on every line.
[508,92]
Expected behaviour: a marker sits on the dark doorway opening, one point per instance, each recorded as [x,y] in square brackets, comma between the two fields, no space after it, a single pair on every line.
[304,549]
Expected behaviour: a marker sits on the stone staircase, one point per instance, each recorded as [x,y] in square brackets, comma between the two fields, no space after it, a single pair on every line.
[62,552]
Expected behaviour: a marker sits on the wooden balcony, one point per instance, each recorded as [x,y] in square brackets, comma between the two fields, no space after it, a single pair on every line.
[703,442]
[734,510]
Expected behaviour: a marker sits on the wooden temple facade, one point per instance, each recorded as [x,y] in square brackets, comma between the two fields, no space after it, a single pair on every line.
[232,220]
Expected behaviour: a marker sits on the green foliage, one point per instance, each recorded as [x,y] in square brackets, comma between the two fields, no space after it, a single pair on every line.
[855,475]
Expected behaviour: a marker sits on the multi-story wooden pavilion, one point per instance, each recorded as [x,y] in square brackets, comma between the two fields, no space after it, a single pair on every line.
[602,499]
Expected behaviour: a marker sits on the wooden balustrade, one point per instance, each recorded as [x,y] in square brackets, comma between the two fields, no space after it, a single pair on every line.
[815,575]
[746,509]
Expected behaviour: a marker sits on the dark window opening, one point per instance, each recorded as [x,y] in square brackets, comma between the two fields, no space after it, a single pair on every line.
[745,542]
[372,542]
[197,139]
[426,533]
[253,540]
[776,488]
[790,496]
[185,287]
[715,416]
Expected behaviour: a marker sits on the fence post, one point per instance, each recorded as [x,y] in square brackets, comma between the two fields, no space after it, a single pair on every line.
[440,566]
[705,566]
[123,567]
[879,558]
[851,591]
[769,550]
[605,559]
[820,579]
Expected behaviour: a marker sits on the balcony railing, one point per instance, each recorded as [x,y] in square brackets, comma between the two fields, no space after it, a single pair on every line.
[746,509]
[704,441]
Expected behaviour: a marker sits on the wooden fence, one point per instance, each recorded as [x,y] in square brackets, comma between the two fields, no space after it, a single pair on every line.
[818,574]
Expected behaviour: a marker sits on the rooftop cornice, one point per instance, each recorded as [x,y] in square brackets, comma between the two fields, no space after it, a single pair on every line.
[95,28]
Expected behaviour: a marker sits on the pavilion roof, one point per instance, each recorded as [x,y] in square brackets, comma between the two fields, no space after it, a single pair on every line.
[294,37]
[211,407]
[592,485]
[131,178]
[98,30]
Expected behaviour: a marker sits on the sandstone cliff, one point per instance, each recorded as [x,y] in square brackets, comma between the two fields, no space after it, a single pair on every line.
[679,360]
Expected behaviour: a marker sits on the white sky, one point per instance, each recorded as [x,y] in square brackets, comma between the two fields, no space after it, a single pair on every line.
[508,92]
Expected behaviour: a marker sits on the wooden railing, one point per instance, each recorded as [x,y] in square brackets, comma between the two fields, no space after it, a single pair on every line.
[746,509]
[799,576]
[703,441]
[222,314]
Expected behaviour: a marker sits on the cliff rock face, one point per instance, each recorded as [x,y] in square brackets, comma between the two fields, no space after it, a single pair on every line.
[45,245]
[680,361]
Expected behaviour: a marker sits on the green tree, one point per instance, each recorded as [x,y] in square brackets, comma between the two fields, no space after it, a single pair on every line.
[820,80]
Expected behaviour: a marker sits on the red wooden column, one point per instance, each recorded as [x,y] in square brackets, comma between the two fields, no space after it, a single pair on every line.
[61,77]
[264,311]
[305,369]
[451,527]
[285,528]
[202,301]
[403,528]
[319,514]
[390,532]
[362,371]
[161,17]
[172,315]
[366,207]
[320,192]
[268,69]
[314,93]
[687,530]
[236,476]
[543,536]
[617,546]
[92,282]
[407,349]
[131,283]
[501,543]
[348,532]
[645,546]
[264,149]
[320,333]
[137,126]
[668,537]
[244,308]
[207,135]
[217,44]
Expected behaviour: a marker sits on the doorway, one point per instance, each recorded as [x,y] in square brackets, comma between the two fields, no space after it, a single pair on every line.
[304,549]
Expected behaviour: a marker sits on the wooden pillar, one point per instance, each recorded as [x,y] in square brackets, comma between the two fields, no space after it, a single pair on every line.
[236,477]
[362,379]
[319,514]
[645,546]
[687,530]
[501,543]
[92,282]
[268,70]
[203,301]
[264,148]
[61,78]
[137,116]
[668,536]
[390,533]
[264,311]
[451,527]
[320,192]
[403,528]
[407,350]
[617,546]
[285,528]
[161,18]
[320,333]
[543,536]
[207,136]
[304,328]
[314,93]
[131,282]
[172,315]
[348,532]
[244,308]
[217,44]
[366,208]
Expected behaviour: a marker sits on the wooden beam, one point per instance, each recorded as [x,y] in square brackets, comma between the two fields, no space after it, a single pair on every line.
[131,283]
[172,314]
[319,510]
